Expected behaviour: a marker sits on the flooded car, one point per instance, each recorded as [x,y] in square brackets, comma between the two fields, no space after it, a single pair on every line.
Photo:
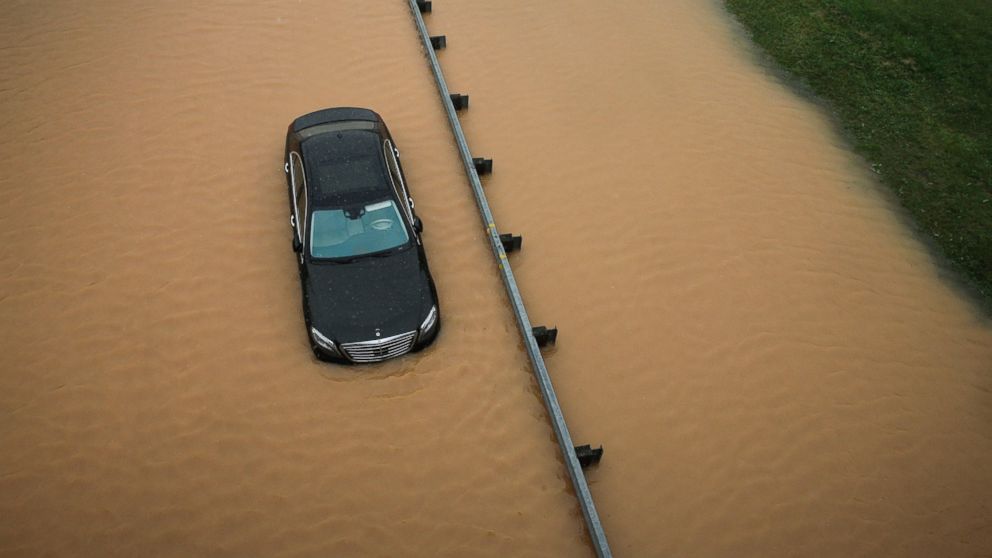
[368,294]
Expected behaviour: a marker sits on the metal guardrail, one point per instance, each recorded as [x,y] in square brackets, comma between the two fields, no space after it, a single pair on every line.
[593,524]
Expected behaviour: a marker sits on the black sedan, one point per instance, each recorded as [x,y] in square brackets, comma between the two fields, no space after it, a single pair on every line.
[368,294]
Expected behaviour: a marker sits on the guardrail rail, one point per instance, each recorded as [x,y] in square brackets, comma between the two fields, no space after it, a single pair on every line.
[595,528]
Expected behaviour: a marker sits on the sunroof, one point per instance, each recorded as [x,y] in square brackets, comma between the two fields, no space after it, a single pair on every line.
[344,167]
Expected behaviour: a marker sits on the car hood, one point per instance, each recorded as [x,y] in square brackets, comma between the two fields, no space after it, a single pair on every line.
[353,301]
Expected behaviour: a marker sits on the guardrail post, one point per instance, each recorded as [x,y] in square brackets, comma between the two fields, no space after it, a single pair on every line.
[482,166]
[510,242]
[459,101]
[545,336]
[588,455]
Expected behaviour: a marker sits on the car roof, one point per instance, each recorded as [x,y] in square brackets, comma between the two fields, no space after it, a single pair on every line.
[345,168]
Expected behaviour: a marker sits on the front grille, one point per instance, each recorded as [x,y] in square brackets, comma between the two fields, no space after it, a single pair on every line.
[379,349]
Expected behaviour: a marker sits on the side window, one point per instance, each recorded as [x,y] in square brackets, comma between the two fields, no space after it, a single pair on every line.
[397,178]
[299,193]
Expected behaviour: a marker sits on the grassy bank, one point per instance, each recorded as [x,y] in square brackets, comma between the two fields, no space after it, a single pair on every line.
[911,82]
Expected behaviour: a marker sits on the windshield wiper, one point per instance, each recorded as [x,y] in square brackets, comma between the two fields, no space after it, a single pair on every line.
[379,254]
[382,254]
[337,260]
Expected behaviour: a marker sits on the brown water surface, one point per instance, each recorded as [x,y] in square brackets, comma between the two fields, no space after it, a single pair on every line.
[157,390]
[770,358]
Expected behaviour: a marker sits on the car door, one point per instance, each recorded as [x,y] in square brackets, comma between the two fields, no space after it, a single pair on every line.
[397,179]
[299,216]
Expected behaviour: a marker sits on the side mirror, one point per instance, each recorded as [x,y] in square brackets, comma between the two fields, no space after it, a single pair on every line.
[418,225]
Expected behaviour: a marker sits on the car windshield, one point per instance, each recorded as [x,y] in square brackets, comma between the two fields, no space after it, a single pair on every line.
[356,231]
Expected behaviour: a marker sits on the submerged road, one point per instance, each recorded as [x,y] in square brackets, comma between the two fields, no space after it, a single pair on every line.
[157,390]
[773,362]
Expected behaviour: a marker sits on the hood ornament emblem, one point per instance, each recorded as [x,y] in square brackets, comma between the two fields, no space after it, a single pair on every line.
[377,332]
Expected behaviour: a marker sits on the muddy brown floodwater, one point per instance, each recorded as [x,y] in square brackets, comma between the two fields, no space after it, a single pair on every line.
[157,389]
[771,359]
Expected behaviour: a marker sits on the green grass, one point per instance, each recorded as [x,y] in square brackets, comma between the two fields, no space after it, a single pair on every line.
[911,82]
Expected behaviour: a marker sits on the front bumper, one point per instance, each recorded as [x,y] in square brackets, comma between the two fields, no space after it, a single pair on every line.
[376,350]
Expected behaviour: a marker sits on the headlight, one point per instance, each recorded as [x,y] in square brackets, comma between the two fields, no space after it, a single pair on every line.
[430,321]
[324,342]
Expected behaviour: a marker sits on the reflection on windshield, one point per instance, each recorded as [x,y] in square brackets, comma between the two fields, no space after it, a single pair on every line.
[350,232]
